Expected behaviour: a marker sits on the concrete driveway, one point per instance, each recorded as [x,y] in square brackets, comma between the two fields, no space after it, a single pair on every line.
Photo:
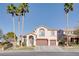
[49,49]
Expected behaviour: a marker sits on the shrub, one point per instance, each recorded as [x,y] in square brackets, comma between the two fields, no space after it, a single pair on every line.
[8,46]
[62,42]
[3,43]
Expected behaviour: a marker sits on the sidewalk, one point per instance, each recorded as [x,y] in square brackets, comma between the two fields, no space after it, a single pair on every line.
[42,49]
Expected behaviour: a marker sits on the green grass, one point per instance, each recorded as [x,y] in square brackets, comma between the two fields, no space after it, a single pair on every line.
[22,48]
[74,46]
[25,48]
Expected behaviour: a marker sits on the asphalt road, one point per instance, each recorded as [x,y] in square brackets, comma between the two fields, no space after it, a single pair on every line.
[40,54]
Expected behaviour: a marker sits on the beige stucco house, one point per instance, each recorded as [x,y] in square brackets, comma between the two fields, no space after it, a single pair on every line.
[43,36]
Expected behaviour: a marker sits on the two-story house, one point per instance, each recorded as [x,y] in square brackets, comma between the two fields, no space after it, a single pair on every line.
[43,36]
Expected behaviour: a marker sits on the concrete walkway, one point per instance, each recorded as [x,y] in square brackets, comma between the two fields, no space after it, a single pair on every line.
[49,49]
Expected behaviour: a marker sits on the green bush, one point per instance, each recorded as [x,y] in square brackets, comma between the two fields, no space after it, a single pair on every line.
[3,43]
[6,45]
[61,42]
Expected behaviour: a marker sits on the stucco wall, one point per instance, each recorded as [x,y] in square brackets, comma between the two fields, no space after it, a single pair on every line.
[47,34]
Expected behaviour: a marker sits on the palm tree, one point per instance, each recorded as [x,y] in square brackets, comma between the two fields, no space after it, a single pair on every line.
[24,10]
[11,10]
[18,13]
[68,7]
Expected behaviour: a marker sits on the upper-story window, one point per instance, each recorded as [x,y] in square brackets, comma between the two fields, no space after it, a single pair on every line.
[41,32]
[52,33]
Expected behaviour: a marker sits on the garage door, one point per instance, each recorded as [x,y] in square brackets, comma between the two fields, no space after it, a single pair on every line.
[52,42]
[41,42]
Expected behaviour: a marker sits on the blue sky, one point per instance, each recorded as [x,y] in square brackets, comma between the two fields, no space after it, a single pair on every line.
[50,15]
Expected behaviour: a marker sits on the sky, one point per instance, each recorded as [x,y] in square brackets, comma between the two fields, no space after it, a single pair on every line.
[51,15]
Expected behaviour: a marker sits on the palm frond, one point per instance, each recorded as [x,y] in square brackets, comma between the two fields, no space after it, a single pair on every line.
[11,9]
[68,7]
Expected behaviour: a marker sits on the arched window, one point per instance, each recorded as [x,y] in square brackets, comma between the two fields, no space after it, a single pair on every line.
[41,32]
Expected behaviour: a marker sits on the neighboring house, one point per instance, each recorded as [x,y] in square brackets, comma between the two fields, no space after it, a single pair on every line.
[69,32]
[71,36]
[43,36]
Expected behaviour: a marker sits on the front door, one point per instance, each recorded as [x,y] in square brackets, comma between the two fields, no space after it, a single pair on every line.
[31,39]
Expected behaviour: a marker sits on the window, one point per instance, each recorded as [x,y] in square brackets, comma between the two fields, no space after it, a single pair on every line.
[52,33]
[41,32]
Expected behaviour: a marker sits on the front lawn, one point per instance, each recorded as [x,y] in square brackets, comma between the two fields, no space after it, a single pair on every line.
[21,48]
[74,46]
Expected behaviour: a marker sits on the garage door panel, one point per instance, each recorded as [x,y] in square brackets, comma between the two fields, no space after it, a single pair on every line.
[52,42]
[41,42]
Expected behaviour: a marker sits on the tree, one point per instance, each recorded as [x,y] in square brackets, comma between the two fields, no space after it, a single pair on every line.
[68,7]
[5,37]
[18,13]
[23,9]
[10,35]
[11,10]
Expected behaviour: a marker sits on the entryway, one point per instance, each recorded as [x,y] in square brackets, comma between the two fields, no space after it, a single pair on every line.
[31,40]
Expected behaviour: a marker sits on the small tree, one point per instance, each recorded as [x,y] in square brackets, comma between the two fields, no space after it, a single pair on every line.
[10,35]
[62,41]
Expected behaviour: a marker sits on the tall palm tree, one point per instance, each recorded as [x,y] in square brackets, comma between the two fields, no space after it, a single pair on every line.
[18,13]
[11,10]
[24,10]
[68,7]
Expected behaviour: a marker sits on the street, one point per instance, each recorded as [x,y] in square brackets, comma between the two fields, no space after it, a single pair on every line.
[40,54]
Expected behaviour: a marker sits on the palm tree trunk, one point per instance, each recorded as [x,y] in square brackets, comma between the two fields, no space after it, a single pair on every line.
[19,25]
[14,31]
[18,28]
[22,27]
[67,30]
